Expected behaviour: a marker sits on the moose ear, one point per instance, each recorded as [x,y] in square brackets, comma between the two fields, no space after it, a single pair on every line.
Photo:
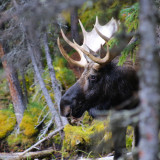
[102,52]
[96,66]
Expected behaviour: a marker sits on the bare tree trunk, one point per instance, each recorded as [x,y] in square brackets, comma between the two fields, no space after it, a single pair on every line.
[74,24]
[15,89]
[55,84]
[149,83]
[24,88]
[32,52]
[50,104]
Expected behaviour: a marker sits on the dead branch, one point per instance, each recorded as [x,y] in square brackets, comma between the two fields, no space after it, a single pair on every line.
[45,130]
[127,157]
[39,123]
[19,156]
[42,140]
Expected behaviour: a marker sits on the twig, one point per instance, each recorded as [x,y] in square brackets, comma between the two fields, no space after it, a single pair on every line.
[42,140]
[45,130]
[39,123]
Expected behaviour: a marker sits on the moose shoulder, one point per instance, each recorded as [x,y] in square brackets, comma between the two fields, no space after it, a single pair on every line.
[103,85]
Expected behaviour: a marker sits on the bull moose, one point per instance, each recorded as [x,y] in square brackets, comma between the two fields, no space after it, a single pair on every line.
[103,85]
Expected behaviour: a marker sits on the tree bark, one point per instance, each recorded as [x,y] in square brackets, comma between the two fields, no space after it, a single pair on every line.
[50,104]
[24,88]
[14,87]
[74,24]
[149,83]
[55,84]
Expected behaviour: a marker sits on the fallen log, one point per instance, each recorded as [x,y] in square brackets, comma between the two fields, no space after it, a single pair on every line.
[29,155]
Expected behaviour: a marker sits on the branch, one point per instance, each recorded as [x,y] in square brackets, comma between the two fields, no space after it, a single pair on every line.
[30,155]
[42,140]
[45,130]
[127,157]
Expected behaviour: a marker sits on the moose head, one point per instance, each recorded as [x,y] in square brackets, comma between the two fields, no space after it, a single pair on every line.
[103,85]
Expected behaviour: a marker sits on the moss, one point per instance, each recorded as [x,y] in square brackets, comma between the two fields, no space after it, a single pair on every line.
[28,132]
[87,119]
[90,133]
[19,142]
[7,122]
[57,139]
[129,137]
[30,120]
[28,125]
[80,137]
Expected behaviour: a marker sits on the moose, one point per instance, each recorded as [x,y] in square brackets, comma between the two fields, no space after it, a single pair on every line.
[103,85]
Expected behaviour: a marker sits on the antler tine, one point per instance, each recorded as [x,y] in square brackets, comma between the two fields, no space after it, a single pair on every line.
[108,57]
[101,35]
[82,27]
[83,59]
[81,63]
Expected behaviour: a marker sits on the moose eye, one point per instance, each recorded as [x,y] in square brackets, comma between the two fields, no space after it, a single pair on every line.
[93,78]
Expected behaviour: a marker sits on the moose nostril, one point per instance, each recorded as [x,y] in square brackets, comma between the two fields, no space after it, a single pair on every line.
[68,115]
[65,111]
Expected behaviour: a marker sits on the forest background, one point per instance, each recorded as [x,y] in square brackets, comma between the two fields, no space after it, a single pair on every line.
[34,75]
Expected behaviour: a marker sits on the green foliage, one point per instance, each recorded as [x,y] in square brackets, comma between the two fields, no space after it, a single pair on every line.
[5,98]
[19,142]
[63,74]
[130,16]
[113,42]
[104,9]
[59,62]
[29,77]
[7,122]
[130,49]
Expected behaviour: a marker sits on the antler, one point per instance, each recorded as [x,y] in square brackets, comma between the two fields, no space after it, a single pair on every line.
[82,62]
[103,34]
[92,43]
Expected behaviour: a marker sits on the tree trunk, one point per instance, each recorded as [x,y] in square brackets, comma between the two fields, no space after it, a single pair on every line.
[50,104]
[14,87]
[32,49]
[149,83]
[74,24]
[55,84]
[24,88]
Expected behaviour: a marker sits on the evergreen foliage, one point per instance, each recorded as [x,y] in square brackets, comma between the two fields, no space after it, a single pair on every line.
[130,49]
[130,17]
